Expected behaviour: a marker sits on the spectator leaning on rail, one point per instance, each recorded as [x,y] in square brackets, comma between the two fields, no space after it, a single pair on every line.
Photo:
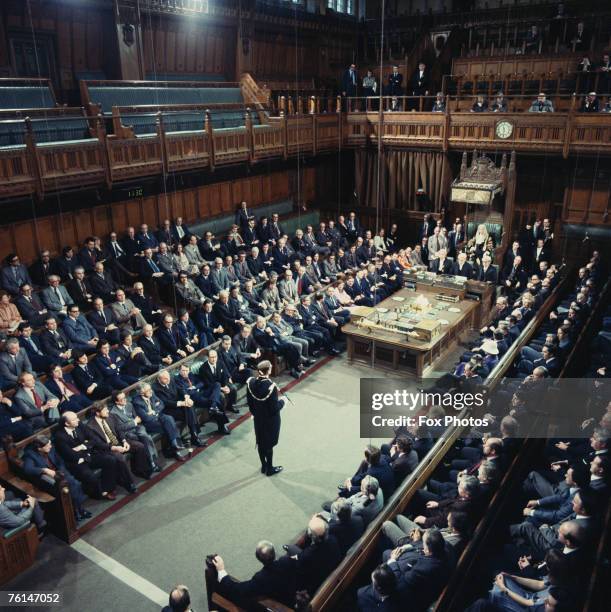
[541,105]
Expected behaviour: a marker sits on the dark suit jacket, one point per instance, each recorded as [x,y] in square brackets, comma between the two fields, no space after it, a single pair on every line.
[83,380]
[467,270]
[39,273]
[53,344]
[489,276]
[29,309]
[276,580]
[423,583]
[316,562]
[170,396]
[169,341]
[146,306]
[446,267]
[95,318]
[221,374]
[66,444]
[152,349]
[231,359]
[102,287]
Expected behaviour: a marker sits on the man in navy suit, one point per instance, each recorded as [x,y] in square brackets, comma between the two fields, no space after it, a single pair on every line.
[177,404]
[455,239]
[110,365]
[204,396]
[39,360]
[54,342]
[350,82]
[151,411]
[340,314]
[242,216]
[486,272]
[146,240]
[441,264]
[42,463]
[233,362]
[169,339]
[205,282]
[148,308]
[87,256]
[149,343]
[87,378]
[208,325]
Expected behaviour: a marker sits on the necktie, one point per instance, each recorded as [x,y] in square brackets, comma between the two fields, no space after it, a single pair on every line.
[111,436]
[153,265]
[34,347]
[37,400]
[59,296]
[103,315]
[15,272]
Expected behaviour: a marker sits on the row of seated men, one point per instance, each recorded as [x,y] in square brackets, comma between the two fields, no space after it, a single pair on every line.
[422,549]
[292,327]
[557,522]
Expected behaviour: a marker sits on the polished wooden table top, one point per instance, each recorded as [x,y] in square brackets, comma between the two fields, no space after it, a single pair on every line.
[401,340]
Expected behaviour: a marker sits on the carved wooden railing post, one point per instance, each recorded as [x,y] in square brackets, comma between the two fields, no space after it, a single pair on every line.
[162,141]
[250,136]
[291,110]
[312,105]
[446,125]
[102,136]
[281,105]
[338,104]
[463,165]
[317,100]
[210,133]
[299,105]
[568,129]
[285,131]
[30,143]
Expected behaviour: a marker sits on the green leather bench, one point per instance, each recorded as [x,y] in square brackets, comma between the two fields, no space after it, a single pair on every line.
[26,97]
[45,131]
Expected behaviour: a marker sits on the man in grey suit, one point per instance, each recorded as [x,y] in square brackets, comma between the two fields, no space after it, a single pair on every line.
[189,291]
[79,331]
[287,288]
[130,426]
[220,279]
[56,297]
[126,314]
[13,362]
[14,275]
[35,403]
[17,512]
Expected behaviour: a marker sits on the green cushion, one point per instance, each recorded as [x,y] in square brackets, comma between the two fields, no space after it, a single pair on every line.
[26,97]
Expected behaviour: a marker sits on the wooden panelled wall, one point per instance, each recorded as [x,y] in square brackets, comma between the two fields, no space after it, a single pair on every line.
[588,201]
[81,38]
[53,232]
[184,45]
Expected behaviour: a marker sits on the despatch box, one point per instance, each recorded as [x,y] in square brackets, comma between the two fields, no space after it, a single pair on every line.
[427,329]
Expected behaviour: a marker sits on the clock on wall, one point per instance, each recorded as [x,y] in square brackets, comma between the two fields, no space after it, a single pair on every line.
[503,129]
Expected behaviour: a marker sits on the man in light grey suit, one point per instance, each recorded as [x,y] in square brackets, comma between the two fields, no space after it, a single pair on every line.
[126,314]
[130,427]
[56,297]
[13,361]
[287,288]
[35,403]
[220,279]
[17,512]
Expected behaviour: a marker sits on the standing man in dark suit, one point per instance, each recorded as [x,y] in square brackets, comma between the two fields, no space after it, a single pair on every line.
[213,371]
[350,82]
[87,256]
[455,240]
[177,404]
[242,216]
[263,402]
[420,81]
[395,82]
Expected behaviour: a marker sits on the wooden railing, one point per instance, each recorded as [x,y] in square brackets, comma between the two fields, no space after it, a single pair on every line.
[42,168]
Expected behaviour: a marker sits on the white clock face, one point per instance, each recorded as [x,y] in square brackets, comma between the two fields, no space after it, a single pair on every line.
[504,129]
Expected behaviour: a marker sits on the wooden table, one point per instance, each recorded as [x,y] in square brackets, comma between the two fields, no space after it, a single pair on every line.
[387,349]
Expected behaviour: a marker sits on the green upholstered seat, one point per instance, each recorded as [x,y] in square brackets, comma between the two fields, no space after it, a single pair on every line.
[26,97]
[186,76]
[52,130]
[108,96]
